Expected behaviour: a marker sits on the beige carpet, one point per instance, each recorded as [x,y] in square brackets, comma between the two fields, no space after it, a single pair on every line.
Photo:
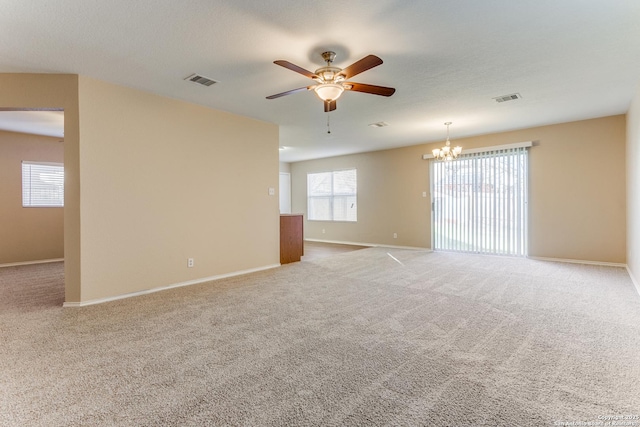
[435,339]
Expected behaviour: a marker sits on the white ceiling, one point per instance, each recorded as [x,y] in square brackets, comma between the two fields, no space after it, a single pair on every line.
[49,123]
[569,59]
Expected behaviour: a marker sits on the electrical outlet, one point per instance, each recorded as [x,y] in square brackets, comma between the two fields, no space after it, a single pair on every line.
[395,235]
[190,262]
[424,194]
[272,191]
[323,231]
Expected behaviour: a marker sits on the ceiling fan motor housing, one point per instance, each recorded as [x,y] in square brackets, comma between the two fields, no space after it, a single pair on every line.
[328,56]
[329,75]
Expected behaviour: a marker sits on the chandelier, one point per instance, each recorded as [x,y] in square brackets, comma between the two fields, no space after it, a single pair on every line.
[447,153]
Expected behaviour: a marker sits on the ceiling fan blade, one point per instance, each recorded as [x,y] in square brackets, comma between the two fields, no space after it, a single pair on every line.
[294,67]
[289,92]
[375,90]
[329,106]
[358,67]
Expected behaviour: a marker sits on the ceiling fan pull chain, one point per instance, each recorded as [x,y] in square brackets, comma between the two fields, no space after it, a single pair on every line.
[328,123]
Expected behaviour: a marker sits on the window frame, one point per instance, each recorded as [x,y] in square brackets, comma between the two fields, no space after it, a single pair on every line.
[333,196]
[30,204]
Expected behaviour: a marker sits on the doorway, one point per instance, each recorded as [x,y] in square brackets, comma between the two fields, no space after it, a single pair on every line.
[479,203]
[32,206]
[285,193]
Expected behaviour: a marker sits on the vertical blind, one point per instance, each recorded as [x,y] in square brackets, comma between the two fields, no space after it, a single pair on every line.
[332,196]
[480,203]
[42,184]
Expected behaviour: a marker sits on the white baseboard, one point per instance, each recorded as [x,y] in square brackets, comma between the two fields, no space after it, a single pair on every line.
[340,242]
[606,264]
[579,261]
[371,245]
[42,261]
[412,248]
[633,280]
[164,288]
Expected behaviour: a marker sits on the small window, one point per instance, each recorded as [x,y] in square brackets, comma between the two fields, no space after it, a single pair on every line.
[332,196]
[42,184]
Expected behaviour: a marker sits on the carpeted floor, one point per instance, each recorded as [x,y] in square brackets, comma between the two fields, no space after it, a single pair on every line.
[425,339]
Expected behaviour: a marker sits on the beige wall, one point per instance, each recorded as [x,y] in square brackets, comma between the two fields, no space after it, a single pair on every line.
[390,186]
[56,91]
[576,203]
[633,187]
[27,234]
[162,181]
[165,180]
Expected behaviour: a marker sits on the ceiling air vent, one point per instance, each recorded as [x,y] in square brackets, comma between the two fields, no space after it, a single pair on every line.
[505,98]
[378,124]
[202,80]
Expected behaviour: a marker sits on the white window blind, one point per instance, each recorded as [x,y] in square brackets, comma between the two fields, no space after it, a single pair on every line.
[42,184]
[480,203]
[332,196]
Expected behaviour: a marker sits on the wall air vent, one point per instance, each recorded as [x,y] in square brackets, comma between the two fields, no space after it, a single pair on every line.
[505,98]
[201,80]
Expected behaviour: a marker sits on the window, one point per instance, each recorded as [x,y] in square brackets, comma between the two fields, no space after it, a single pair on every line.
[332,196]
[480,203]
[42,184]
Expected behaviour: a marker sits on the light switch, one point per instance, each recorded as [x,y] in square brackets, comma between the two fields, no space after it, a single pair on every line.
[272,191]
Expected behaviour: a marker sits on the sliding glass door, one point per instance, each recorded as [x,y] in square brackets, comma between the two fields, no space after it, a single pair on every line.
[479,203]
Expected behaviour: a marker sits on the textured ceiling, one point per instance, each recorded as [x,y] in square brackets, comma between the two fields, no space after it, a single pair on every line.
[569,59]
[50,123]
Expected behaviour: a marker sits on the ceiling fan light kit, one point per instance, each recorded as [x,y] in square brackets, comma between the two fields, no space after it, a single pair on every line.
[329,91]
[331,81]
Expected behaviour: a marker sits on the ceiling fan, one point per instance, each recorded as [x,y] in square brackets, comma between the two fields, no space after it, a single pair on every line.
[332,81]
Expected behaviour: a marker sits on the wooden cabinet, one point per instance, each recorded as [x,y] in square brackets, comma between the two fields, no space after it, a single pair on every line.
[291,238]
